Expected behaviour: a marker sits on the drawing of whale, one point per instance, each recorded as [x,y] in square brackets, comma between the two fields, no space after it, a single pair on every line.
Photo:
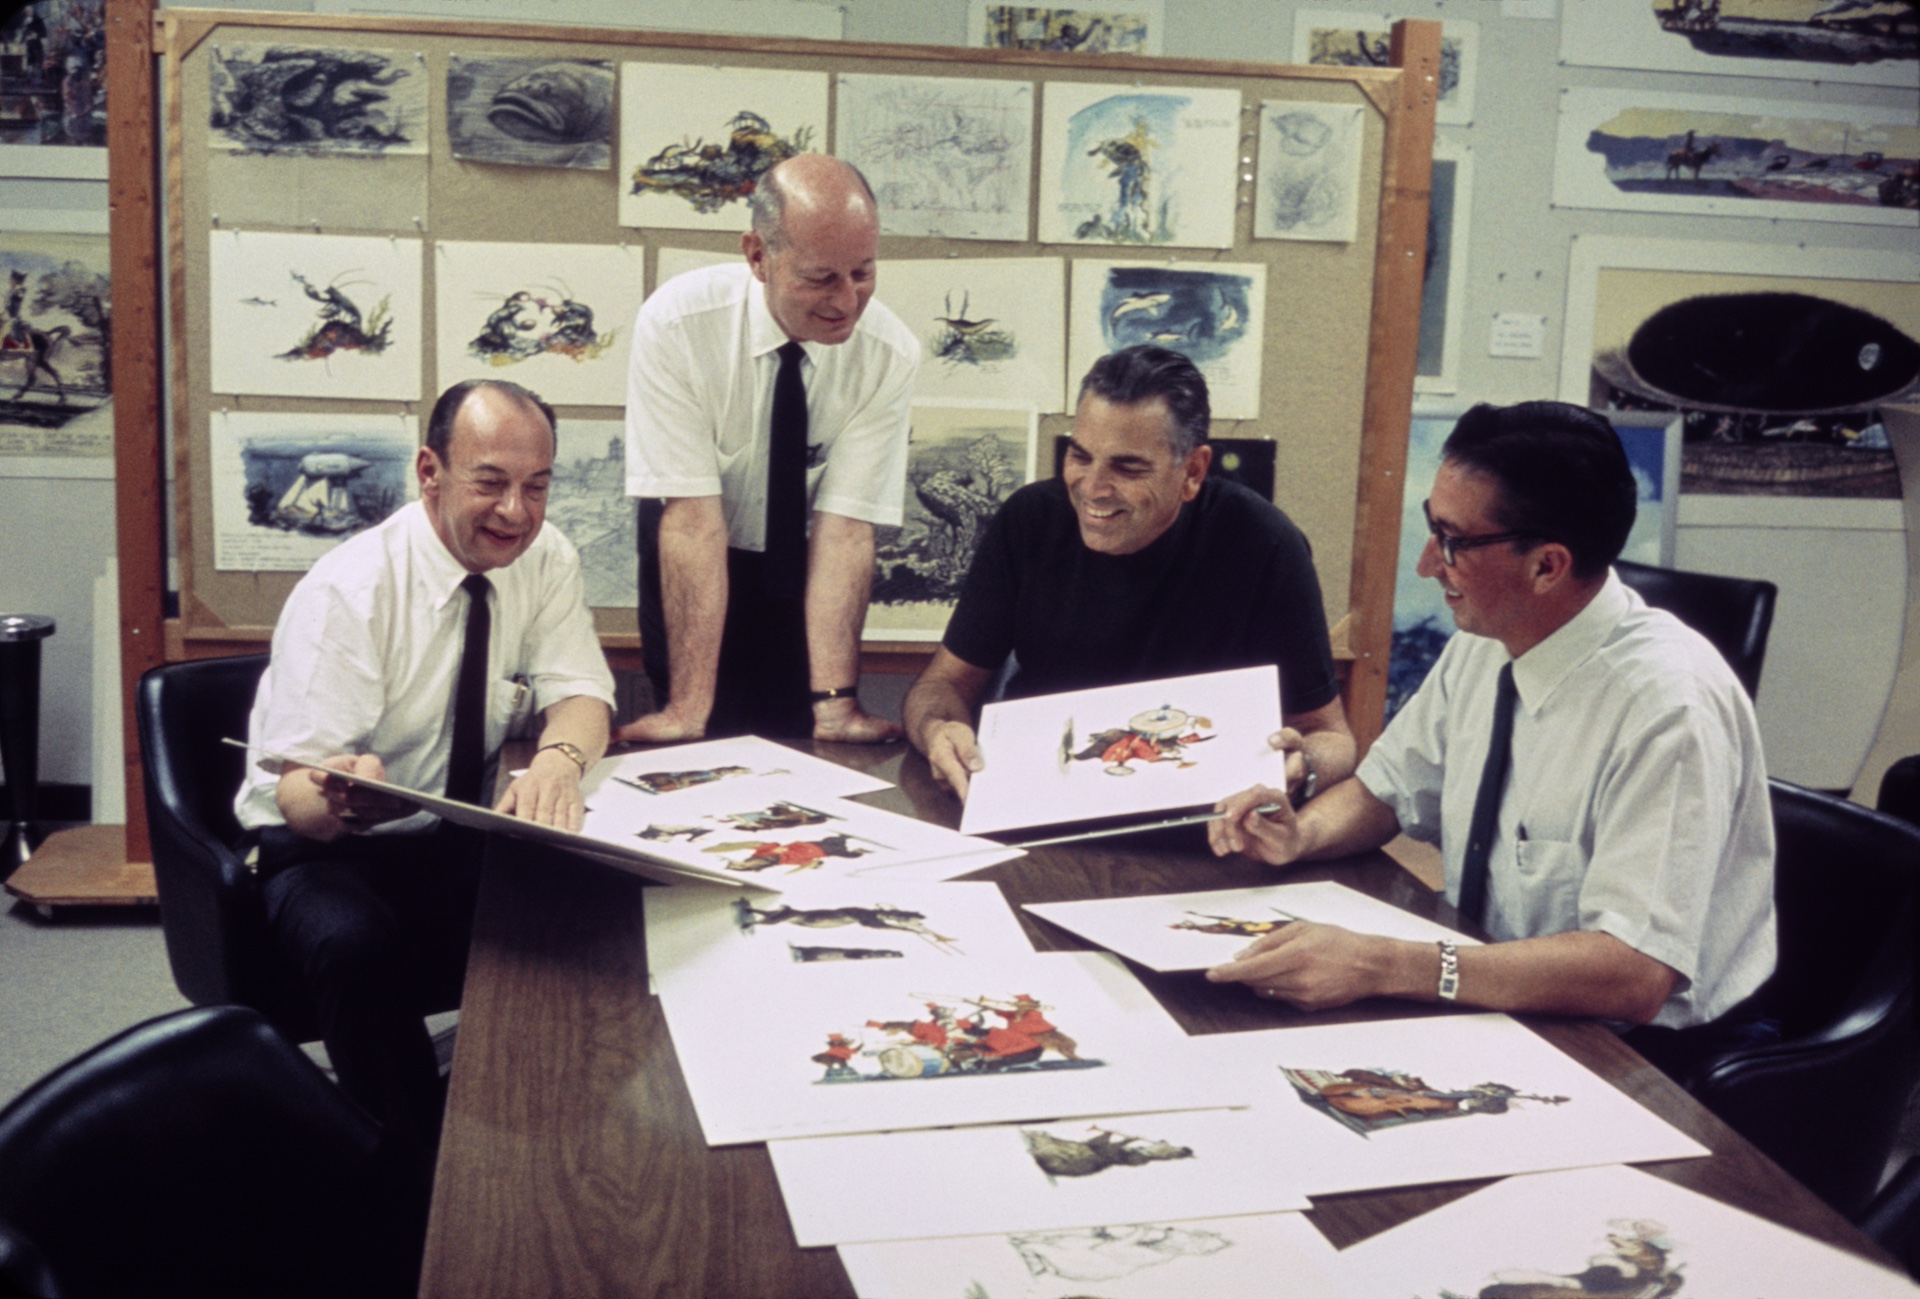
[556,103]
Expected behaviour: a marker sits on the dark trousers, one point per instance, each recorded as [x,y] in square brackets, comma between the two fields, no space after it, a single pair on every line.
[762,687]
[1682,1053]
[376,929]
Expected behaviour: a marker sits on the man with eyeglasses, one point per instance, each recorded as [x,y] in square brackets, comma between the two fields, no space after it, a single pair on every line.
[1590,768]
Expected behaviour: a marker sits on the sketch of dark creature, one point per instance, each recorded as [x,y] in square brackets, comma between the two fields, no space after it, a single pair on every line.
[527,325]
[531,112]
[668,833]
[1070,1157]
[293,98]
[961,341]
[710,176]
[880,917]
[340,326]
[556,103]
[814,955]
[954,496]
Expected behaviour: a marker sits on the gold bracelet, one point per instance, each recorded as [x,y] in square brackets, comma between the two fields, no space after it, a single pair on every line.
[571,750]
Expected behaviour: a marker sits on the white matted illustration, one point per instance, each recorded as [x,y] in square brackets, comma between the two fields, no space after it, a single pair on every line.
[963,461]
[678,261]
[989,327]
[1122,750]
[56,356]
[315,315]
[1079,1172]
[1777,357]
[1192,931]
[1410,1101]
[1134,27]
[1141,1260]
[872,1047]
[718,935]
[1214,314]
[1346,38]
[948,157]
[1307,185]
[310,99]
[530,112]
[694,140]
[588,502]
[53,107]
[1870,42]
[1443,294]
[287,488]
[1138,165]
[555,318]
[1643,152]
[1572,1233]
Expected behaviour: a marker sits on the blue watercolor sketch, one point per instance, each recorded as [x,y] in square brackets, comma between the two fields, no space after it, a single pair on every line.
[1201,314]
[1110,169]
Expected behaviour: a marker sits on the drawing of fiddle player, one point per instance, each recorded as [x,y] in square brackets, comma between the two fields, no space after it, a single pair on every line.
[1162,734]
[801,854]
[1369,1100]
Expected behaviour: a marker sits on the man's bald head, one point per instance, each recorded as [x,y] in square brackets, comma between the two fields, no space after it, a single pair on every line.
[810,185]
[814,244]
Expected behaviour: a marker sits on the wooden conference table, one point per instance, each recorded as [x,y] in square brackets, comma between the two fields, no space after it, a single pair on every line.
[572,1163]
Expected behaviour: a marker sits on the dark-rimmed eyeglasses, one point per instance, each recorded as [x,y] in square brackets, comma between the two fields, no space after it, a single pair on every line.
[1450,546]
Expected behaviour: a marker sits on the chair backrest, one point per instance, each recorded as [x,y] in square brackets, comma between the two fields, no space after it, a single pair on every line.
[201,1154]
[185,710]
[1735,613]
[1900,790]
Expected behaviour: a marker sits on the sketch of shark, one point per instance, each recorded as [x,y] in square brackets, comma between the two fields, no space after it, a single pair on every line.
[1151,302]
[258,302]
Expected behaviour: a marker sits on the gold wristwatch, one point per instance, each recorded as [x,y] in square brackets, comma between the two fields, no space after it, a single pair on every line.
[573,751]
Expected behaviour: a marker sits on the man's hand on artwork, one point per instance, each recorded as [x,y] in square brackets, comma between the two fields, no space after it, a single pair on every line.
[547,792]
[1272,837]
[664,727]
[356,807]
[1313,966]
[841,720]
[954,754]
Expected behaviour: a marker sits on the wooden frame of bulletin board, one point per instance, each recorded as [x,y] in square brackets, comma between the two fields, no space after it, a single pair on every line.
[1341,318]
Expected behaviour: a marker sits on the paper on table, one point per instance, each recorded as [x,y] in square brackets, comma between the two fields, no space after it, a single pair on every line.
[1276,1254]
[1034,1176]
[1192,931]
[718,936]
[1442,1099]
[1618,1223]
[775,1073]
[1124,750]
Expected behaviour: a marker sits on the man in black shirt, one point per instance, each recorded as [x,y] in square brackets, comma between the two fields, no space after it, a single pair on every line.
[1132,566]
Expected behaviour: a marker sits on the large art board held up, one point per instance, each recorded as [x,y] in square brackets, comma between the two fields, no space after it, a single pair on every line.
[1124,750]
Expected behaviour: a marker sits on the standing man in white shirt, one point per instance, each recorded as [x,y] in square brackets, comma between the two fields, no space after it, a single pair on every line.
[408,654]
[762,395]
[1590,767]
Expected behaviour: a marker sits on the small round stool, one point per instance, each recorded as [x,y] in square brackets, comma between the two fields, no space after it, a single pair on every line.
[20,637]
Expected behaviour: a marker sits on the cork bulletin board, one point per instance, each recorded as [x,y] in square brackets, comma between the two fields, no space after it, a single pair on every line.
[1334,387]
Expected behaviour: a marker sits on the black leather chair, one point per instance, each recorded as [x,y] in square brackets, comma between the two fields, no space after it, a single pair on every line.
[200,1154]
[1893,1219]
[1900,790]
[1733,612]
[211,911]
[1827,1099]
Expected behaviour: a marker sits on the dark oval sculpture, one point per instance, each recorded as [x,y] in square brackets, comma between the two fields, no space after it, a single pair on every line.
[1776,352]
[557,103]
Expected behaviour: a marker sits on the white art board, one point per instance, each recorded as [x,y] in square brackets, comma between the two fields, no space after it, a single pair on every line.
[948,157]
[287,488]
[1212,313]
[1151,166]
[765,1076]
[1308,184]
[719,936]
[556,318]
[1623,1224]
[1637,151]
[1192,931]
[315,315]
[1355,39]
[589,504]
[1081,1172]
[1206,734]
[1267,1256]
[672,113]
[1778,38]
[1466,1063]
[990,328]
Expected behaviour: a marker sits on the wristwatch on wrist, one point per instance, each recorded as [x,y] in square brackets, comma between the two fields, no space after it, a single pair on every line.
[573,751]
[838,692]
[1311,785]
[1449,971]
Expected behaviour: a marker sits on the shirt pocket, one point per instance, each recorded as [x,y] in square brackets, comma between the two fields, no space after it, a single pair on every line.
[509,708]
[1545,897]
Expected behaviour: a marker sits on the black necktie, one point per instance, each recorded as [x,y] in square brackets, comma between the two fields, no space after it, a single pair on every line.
[467,759]
[1476,868]
[786,542]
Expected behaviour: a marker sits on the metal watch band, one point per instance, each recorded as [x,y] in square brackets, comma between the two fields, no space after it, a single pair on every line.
[1449,971]
[572,751]
[1311,785]
[838,692]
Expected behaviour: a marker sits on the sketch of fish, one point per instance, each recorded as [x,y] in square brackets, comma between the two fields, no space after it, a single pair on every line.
[1168,337]
[258,301]
[1140,302]
[556,103]
[1229,318]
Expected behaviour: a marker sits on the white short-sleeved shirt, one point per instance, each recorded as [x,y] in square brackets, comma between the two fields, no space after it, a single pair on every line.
[1636,803]
[700,401]
[368,646]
